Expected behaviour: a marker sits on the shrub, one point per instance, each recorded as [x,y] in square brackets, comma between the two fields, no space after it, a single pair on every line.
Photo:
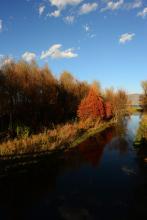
[22,131]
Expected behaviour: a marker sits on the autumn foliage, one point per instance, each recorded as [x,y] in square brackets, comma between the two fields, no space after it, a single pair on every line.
[32,97]
[104,106]
[92,106]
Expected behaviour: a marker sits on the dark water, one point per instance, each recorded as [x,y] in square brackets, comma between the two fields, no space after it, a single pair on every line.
[103,178]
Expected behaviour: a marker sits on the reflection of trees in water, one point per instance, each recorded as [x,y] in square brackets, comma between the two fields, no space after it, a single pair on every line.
[120,143]
[27,189]
[121,126]
[23,192]
[91,150]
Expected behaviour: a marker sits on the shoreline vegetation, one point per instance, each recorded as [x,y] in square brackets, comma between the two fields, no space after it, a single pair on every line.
[133,110]
[141,136]
[60,138]
[40,112]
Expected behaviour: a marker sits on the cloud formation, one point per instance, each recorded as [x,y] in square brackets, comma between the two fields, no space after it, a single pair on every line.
[55,52]
[28,56]
[88,7]
[126,37]
[55,14]
[143,13]
[113,5]
[41,9]
[69,19]
[133,5]
[60,5]
[63,3]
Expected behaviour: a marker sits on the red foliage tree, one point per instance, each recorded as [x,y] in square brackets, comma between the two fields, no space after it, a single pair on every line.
[92,106]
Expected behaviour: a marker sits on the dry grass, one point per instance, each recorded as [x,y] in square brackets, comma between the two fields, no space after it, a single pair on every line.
[60,136]
[86,124]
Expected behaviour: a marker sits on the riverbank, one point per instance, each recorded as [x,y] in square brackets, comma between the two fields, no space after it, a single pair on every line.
[60,138]
[141,136]
[134,110]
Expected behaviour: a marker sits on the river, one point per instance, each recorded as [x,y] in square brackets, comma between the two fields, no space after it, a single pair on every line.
[103,178]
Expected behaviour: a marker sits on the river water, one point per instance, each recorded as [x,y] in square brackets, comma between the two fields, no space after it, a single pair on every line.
[103,178]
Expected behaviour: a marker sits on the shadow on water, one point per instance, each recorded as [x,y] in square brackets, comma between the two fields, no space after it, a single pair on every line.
[102,178]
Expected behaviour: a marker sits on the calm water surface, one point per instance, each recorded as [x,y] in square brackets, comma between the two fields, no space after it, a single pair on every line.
[103,178]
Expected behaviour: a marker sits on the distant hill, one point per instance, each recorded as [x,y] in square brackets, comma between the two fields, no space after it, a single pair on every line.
[134,98]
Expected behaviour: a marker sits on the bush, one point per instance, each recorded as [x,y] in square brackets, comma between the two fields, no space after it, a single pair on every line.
[22,131]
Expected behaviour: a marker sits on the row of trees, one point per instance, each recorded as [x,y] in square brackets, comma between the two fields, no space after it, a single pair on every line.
[104,105]
[33,96]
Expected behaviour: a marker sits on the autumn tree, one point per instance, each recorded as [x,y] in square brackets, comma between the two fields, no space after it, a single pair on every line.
[30,93]
[33,96]
[72,92]
[118,102]
[91,106]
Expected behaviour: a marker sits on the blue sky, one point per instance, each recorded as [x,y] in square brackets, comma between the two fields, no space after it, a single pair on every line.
[103,40]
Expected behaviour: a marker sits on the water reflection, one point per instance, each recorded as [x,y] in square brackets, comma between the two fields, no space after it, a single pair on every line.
[103,178]
[91,150]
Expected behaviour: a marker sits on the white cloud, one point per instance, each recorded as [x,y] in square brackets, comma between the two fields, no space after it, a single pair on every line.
[28,56]
[41,9]
[55,52]
[55,13]
[126,37]
[1,25]
[143,13]
[88,7]
[86,28]
[63,3]
[133,5]
[69,19]
[113,5]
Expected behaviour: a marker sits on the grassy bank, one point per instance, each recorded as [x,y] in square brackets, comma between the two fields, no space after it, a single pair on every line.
[141,137]
[61,137]
[132,109]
